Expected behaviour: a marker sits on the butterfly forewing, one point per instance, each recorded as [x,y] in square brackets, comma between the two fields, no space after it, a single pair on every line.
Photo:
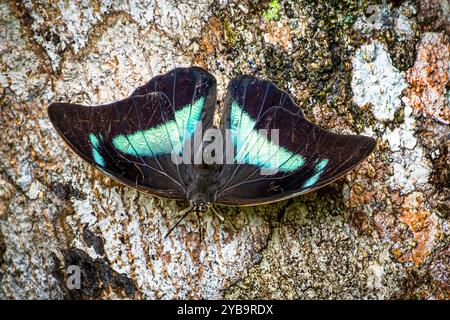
[186,87]
[300,158]
[133,139]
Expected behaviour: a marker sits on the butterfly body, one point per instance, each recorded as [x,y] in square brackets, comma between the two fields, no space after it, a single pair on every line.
[155,141]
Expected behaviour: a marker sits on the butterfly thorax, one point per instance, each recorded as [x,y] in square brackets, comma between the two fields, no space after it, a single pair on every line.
[202,189]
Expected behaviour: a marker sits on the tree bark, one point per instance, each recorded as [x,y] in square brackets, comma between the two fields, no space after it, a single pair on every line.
[376,69]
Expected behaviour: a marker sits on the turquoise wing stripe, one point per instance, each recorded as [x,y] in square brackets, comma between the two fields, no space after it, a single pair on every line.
[256,149]
[163,138]
[318,169]
[95,143]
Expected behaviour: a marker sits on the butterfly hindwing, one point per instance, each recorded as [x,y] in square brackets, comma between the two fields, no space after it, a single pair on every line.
[268,166]
[133,139]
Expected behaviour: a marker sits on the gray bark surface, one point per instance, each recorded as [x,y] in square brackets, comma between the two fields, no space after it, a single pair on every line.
[382,231]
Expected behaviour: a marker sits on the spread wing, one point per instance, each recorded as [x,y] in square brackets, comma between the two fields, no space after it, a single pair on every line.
[268,166]
[132,140]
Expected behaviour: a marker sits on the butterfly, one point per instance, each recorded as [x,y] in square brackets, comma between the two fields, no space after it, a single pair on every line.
[157,141]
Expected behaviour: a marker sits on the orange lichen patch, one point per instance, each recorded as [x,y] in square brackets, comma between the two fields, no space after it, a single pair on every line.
[356,196]
[361,196]
[429,78]
[422,226]
[278,33]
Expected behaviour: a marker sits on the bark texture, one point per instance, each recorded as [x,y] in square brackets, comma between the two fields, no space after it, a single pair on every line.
[353,66]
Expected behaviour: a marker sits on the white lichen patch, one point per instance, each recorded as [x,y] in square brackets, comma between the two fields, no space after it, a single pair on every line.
[117,65]
[376,272]
[72,21]
[30,249]
[382,17]
[399,139]
[18,68]
[411,168]
[133,228]
[377,275]
[36,188]
[376,81]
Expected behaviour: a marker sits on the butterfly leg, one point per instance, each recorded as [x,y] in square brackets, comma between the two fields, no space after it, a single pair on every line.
[218,215]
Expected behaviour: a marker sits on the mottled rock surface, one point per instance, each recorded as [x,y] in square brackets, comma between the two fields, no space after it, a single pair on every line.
[377,69]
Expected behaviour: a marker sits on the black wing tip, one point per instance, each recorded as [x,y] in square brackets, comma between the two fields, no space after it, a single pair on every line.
[246,78]
[57,112]
[204,75]
[187,69]
[243,78]
[52,111]
[363,147]
[190,68]
[369,144]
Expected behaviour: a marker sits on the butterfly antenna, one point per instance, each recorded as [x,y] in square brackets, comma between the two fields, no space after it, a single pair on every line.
[184,214]
[151,70]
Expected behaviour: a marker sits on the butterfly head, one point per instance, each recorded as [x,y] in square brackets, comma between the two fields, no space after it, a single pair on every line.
[201,206]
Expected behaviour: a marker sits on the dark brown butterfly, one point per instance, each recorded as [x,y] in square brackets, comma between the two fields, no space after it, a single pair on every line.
[148,141]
